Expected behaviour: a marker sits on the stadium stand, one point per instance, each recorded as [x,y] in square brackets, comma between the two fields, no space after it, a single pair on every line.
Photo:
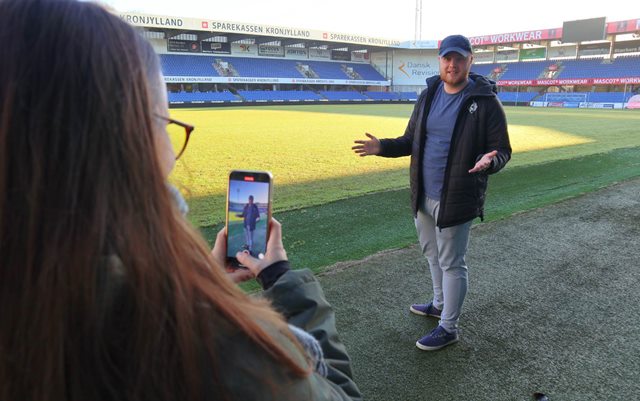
[382,95]
[179,65]
[268,68]
[517,97]
[231,68]
[209,66]
[566,69]
[408,96]
[617,68]
[215,66]
[523,70]
[483,69]
[344,96]
[367,72]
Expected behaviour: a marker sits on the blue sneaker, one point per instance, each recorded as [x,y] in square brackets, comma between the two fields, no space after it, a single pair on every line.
[438,338]
[426,310]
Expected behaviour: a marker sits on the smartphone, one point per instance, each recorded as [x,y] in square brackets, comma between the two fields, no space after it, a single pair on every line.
[249,196]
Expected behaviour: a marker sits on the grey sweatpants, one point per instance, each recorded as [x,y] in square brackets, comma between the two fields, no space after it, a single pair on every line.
[445,250]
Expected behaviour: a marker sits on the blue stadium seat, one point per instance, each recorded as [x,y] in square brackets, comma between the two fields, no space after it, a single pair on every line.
[382,95]
[523,97]
[620,67]
[411,96]
[204,66]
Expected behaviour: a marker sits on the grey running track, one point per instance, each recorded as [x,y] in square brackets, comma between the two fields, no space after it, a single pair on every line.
[553,307]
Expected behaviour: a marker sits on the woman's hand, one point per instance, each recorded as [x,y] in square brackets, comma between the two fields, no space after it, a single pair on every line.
[219,255]
[275,253]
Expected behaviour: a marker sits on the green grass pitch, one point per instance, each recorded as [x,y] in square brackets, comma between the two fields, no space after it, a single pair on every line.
[308,149]
[335,206]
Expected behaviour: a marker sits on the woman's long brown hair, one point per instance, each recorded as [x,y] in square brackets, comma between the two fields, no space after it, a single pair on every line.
[105,291]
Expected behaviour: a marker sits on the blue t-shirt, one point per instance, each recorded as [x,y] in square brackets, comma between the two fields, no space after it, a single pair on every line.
[440,124]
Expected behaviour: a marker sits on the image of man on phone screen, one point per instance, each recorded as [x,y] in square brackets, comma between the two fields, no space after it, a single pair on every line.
[251,215]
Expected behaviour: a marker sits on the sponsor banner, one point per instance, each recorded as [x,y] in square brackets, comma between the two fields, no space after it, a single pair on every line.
[360,57]
[533,54]
[591,105]
[517,83]
[320,54]
[243,49]
[296,52]
[582,81]
[616,81]
[155,21]
[629,46]
[192,79]
[333,81]
[631,25]
[340,55]
[507,55]
[483,57]
[419,44]
[554,82]
[594,49]
[183,46]
[583,105]
[260,80]
[208,25]
[215,47]
[563,51]
[270,51]
[363,40]
[259,29]
[517,37]
[413,69]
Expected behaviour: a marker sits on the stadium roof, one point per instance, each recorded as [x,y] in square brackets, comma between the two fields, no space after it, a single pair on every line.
[229,31]
[238,31]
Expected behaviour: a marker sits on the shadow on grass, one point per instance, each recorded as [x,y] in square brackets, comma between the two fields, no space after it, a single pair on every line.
[353,228]
[209,210]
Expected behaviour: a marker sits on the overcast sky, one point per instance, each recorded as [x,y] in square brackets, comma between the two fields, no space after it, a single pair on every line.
[392,19]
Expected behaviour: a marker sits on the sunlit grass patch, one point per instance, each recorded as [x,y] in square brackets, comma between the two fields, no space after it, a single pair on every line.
[308,148]
[527,138]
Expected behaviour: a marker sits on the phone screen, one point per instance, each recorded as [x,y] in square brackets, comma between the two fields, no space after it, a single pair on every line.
[248,213]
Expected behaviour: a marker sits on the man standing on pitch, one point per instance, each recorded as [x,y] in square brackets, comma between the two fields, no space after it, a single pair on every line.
[251,215]
[457,136]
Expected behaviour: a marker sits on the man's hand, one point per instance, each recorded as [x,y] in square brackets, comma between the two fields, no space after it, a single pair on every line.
[484,162]
[367,147]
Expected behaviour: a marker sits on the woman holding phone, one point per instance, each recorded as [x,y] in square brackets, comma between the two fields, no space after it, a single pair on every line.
[106,291]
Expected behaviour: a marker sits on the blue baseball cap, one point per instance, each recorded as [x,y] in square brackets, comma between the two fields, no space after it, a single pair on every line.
[455,43]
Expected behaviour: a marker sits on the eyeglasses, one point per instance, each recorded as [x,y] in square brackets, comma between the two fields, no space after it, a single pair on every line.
[179,134]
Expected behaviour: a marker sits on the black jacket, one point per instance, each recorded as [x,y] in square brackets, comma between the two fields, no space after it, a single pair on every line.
[481,127]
